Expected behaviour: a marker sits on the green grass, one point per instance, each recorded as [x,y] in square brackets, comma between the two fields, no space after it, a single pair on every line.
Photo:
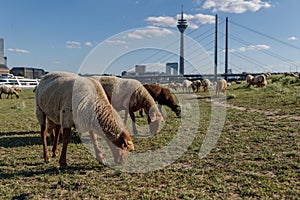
[256,156]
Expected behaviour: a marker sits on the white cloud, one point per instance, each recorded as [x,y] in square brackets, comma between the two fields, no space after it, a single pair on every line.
[88,44]
[193,20]
[235,6]
[258,47]
[164,21]
[292,38]
[73,44]
[151,32]
[116,41]
[19,50]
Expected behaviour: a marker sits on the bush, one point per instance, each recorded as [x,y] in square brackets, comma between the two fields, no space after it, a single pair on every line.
[289,80]
[274,78]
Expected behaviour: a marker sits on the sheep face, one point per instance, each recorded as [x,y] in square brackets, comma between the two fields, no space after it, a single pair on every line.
[124,141]
[177,111]
[155,120]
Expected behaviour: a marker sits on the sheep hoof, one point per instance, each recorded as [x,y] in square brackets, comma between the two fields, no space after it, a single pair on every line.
[103,163]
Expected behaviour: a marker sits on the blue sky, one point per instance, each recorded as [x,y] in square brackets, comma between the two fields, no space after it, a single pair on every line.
[70,35]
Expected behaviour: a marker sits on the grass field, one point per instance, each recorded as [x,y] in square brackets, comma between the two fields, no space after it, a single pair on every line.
[256,157]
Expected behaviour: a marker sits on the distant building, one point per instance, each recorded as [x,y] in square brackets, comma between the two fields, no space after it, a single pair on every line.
[140,69]
[3,60]
[172,68]
[27,72]
[4,69]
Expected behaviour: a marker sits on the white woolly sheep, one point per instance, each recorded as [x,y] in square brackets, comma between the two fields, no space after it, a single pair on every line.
[68,100]
[258,80]
[130,95]
[221,87]
[187,85]
[17,88]
[9,91]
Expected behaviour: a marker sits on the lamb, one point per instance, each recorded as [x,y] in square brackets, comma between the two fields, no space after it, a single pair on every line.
[206,84]
[221,87]
[163,96]
[259,80]
[130,95]
[67,100]
[186,85]
[9,91]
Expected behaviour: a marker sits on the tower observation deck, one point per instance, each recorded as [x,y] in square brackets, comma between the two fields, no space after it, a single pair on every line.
[181,25]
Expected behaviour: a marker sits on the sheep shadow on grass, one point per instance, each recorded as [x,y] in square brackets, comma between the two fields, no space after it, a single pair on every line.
[30,138]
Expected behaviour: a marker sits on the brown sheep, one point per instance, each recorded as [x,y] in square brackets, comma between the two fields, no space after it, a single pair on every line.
[163,96]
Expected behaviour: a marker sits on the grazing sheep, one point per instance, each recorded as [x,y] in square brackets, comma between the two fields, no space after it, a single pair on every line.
[130,95]
[9,91]
[196,85]
[163,96]
[186,85]
[68,100]
[258,80]
[290,74]
[221,87]
[249,77]
[206,84]
[17,88]
[172,86]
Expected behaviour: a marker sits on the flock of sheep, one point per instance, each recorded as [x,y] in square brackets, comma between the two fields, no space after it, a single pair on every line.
[220,85]
[91,104]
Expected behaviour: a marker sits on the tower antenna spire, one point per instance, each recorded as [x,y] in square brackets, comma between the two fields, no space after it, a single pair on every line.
[181,25]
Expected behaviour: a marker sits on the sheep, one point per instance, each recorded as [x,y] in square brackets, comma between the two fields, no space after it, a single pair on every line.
[67,100]
[249,77]
[221,87]
[130,95]
[17,88]
[196,85]
[186,85]
[259,80]
[9,91]
[173,86]
[162,96]
[290,74]
[206,84]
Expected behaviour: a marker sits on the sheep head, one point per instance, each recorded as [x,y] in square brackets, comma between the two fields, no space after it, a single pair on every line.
[125,141]
[155,120]
[177,111]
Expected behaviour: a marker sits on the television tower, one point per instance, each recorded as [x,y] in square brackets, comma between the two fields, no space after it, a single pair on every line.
[182,25]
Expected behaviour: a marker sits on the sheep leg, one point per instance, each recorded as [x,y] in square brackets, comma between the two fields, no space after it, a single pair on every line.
[141,113]
[160,108]
[55,141]
[134,130]
[115,151]
[66,139]
[44,140]
[98,154]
